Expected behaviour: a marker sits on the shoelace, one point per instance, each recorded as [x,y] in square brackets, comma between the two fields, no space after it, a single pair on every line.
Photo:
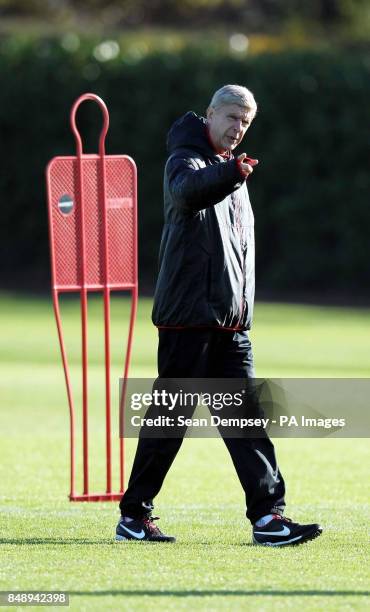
[285,518]
[282,518]
[149,524]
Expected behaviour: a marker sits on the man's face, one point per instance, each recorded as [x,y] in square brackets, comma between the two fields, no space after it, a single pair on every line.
[227,125]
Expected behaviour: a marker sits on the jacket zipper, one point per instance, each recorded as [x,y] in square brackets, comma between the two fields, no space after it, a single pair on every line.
[239,229]
[242,300]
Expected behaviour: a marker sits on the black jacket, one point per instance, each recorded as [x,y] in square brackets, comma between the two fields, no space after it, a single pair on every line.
[206,259]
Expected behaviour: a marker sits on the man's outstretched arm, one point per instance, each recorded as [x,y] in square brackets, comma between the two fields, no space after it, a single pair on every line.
[194,189]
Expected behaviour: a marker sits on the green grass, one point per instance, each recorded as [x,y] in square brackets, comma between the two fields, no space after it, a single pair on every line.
[49,543]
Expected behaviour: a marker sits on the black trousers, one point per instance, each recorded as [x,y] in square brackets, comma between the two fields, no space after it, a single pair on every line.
[206,353]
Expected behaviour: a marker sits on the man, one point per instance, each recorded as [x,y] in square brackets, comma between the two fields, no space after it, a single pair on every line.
[203,307]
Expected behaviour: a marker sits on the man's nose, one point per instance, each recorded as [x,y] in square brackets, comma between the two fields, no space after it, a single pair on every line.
[238,125]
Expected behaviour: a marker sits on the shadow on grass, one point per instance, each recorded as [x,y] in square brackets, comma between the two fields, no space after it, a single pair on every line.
[220,593]
[84,542]
[50,541]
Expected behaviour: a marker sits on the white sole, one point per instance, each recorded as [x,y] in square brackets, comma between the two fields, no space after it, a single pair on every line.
[277,543]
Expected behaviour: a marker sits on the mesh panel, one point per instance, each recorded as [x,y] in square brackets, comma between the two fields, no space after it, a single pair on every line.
[120,188]
[121,213]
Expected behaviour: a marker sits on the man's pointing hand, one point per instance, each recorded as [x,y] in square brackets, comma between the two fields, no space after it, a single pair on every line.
[246,163]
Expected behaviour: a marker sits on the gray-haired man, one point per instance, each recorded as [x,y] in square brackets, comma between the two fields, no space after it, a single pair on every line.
[203,309]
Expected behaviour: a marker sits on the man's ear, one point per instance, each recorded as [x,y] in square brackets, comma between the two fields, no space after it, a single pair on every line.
[210,112]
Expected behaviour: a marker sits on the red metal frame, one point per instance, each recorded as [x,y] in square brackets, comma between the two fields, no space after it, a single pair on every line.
[71,241]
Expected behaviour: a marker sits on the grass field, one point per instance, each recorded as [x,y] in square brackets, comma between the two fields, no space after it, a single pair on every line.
[48,543]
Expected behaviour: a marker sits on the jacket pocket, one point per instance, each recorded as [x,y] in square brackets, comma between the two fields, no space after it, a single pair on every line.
[208,280]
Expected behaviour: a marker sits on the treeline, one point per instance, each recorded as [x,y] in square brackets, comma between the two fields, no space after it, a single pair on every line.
[310,192]
[254,15]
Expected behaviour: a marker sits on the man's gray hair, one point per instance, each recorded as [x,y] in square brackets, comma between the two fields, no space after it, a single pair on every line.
[234,94]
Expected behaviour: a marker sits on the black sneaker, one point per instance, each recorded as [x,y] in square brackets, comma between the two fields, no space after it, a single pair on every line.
[141,530]
[281,531]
